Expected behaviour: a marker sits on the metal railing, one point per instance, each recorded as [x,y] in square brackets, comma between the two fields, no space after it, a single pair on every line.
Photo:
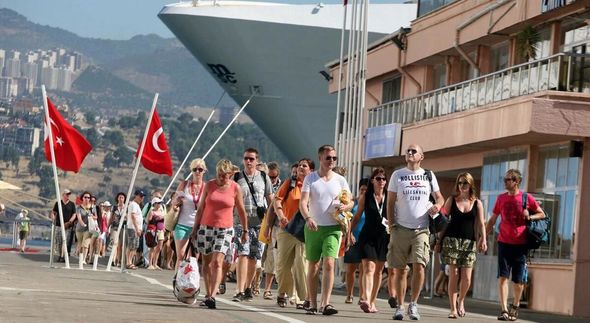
[551,73]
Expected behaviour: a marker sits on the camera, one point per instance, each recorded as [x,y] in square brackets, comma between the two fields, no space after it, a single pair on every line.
[293,182]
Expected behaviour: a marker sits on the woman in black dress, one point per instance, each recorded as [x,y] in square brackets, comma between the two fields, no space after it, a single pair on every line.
[373,239]
[464,236]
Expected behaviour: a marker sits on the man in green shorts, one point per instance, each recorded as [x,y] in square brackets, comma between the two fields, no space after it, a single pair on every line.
[319,200]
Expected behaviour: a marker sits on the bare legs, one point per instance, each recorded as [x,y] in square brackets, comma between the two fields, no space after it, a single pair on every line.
[371,280]
[180,251]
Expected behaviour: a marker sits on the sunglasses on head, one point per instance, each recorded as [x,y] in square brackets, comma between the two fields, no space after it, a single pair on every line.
[249,158]
[380,178]
[198,169]
[334,158]
[412,151]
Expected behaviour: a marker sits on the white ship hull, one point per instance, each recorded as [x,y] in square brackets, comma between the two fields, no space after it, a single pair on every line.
[280,49]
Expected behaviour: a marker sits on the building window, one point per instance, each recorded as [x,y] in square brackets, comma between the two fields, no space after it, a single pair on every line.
[427,6]
[499,55]
[391,89]
[439,76]
[557,188]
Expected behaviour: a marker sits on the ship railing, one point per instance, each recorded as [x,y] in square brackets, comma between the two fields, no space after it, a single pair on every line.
[555,72]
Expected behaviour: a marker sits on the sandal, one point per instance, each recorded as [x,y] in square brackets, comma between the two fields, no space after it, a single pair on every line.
[299,306]
[281,301]
[503,316]
[513,313]
[256,292]
[452,315]
[311,311]
[365,307]
[349,300]
[222,289]
[267,294]
[306,305]
[329,310]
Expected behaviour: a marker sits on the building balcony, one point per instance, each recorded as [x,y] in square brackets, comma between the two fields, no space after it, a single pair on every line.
[564,72]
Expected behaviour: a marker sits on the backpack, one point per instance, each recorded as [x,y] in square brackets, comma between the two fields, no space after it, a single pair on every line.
[441,222]
[538,231]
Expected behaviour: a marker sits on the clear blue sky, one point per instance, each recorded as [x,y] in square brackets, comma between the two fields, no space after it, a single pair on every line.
[110,19]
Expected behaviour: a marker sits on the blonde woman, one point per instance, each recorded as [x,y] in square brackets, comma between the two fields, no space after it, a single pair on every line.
[214,225]
[188,194]
[461,240]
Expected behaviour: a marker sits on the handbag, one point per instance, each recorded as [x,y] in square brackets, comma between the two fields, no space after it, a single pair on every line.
[186,281]
[150,238]
[437,224]
[171,218]
[296,227]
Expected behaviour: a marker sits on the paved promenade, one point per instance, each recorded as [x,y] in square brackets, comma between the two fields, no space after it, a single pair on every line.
[30,291]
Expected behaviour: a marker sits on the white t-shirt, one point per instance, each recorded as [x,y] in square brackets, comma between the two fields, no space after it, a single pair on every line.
[413,191]
[134,211]
[322,196]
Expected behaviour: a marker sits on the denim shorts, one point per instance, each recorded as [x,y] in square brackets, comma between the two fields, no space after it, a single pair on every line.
[512,258]
[252,248]
[182,232]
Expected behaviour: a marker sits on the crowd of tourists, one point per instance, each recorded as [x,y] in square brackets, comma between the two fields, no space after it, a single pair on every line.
[250,225]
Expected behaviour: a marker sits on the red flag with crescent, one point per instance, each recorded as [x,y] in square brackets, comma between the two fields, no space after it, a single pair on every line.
[69,145]
[156,156]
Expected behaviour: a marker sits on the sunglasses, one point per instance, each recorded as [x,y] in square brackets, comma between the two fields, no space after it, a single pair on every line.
[86,197]
[411,151]
[334,158]
[198,169]
[462,183]
[508,179]
[249,158]
[379,178]
[273,177]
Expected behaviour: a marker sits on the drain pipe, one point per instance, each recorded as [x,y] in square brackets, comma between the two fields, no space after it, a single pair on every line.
[469,22]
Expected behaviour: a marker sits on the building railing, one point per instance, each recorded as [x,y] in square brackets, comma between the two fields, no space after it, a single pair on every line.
[551,73]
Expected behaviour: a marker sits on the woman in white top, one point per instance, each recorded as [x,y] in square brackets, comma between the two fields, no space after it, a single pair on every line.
[189,194]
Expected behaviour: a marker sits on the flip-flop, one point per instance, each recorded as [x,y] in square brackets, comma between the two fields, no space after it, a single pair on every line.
[452,316]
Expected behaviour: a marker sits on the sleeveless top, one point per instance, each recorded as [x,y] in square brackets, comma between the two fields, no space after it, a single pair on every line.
[219,205]
[157,219]
[84,214]
[190,201]
[462,223]
[373,229]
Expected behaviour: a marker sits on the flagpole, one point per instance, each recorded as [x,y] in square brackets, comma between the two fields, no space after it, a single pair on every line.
[53,165]
[130,190]
[225,130]
[188,154]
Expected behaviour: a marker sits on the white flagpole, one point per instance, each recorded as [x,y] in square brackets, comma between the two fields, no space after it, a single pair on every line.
[129,196]
[53,165]
[188,154]
[224,131]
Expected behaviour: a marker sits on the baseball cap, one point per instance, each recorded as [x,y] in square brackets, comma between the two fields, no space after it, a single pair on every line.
[139,192]
[67,191]
[106,203]
[156,200]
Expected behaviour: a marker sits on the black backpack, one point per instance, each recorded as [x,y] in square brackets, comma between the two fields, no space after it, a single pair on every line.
[441,222]
[538,231]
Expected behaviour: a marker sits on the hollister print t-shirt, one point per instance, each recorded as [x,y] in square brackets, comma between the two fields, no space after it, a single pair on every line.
[413,192]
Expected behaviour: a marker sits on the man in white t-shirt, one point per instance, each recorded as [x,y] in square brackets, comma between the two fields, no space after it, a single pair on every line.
[408,212]
[319,200]
[134,226]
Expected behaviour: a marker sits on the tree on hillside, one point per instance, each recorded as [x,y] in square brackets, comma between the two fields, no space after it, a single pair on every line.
[92,136]
[90,117]
[123,156]
[46,188]
[113,138]
[36,160]
[141,119]
[110,161]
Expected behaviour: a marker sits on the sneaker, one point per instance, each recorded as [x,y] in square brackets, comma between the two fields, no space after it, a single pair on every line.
[239,297]
[413,311]
[248,295]
[399,313]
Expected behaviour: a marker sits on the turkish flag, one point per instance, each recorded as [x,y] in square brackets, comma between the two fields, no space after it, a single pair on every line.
[156,156]
[69,145]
